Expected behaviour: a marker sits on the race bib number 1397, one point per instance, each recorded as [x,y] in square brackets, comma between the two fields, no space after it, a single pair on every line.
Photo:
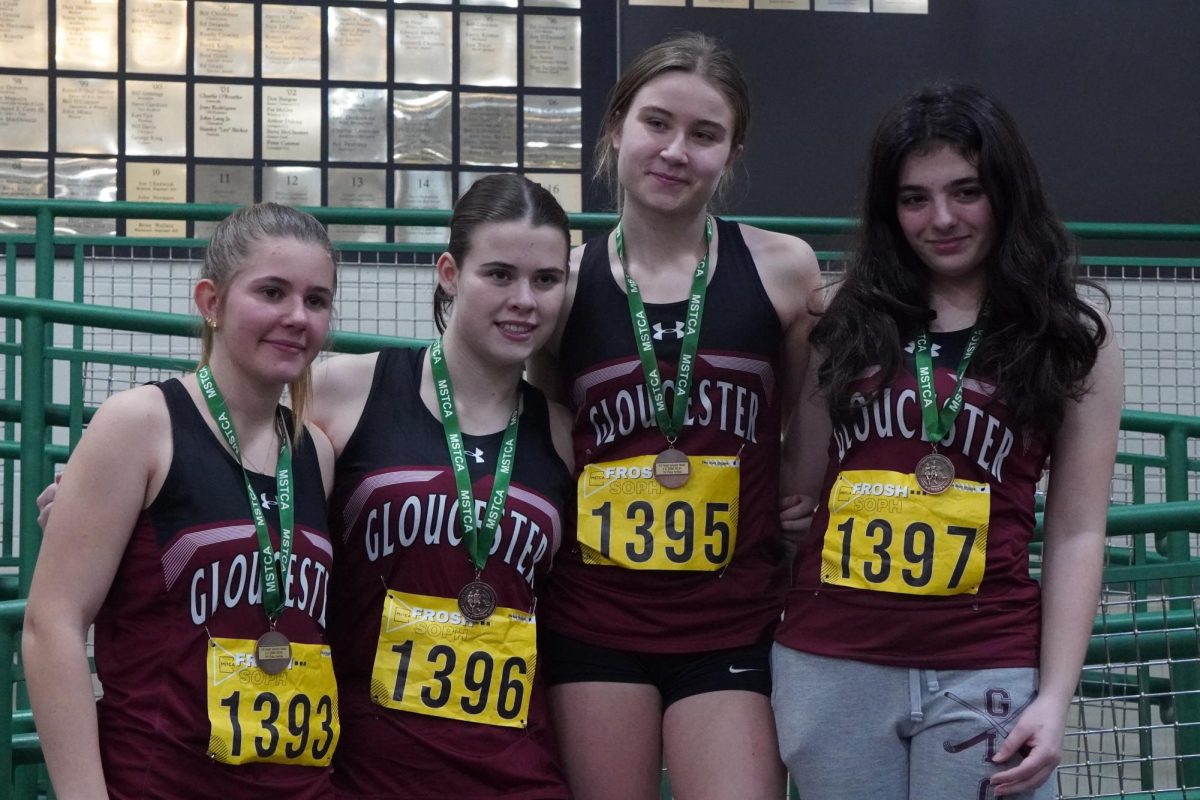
[887,535]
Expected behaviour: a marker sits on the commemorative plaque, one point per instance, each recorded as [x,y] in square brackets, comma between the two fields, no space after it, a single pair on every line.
[86,115]
[552,132]
[85,179]
[23,34]
[292,186]
[223,121]
[423,46]
[224,39]
[856,6]
[357,44]
[358,125]
[552,51]
[22,177]
[720,3]
[500,3]
[567,188]
[155,183]
[467,179]
[423,129]
[291,42]
[783,5]
[25,112]
[901,6]
[86,35]
[488,49]
[156,36]
[552,3]
[288,129]
[155,118]
[423,189]
[672,3]
[221,183]
[487,130]
[356,188]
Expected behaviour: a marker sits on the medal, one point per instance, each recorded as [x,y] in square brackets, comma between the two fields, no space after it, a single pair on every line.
[672,468]
[934,473]
[477,601]
[273,652]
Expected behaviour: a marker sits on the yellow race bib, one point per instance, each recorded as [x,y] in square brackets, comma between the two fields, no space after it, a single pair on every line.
[432,660]
[886,535]
[289,718]
[628,519]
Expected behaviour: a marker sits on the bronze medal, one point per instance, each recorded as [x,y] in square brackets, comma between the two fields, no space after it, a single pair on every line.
[477,601]
[273,652]
[672,468]
[935,473]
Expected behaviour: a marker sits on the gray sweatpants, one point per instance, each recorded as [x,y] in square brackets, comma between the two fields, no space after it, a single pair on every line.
[849,730]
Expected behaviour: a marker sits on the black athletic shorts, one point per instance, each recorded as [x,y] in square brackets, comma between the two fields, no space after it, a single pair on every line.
[563,659]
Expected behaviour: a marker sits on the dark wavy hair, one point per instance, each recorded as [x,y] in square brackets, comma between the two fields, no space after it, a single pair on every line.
[504,197]
[1042,339]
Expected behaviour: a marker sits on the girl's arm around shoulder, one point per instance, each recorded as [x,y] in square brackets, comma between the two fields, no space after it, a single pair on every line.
[341,385]
[1077,498]
[116,470]
[560,432]
[788,269]
[325,456]
[542,369]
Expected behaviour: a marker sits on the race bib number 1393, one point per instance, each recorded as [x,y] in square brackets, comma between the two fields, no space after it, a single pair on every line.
[288,718]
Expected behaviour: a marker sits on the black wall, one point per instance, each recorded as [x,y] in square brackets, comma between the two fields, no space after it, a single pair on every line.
[1107,93]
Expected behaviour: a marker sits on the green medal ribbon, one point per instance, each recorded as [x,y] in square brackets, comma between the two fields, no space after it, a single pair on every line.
[670,423]
[477,535]
[272,568]
[938,421]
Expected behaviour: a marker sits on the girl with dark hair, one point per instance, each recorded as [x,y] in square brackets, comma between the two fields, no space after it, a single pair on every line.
[451,477]
[956,360]
[185,515]
[681,348]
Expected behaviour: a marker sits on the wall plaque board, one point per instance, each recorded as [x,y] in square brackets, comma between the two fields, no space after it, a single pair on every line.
[86,115]
[223,121]
[487,130]
[291,42]
[23,177]
[292,186]
[357,44]
[224,40]
[552,51]
[85,179]
[86,35]
[552,132]
[357,188]
[423,189]
[221,183]
[155,118]
[423,46]
[358,122]
[24,34]
[25,112]
[487,49]
[156,36]
[288,132]
[423,127]
[155,183]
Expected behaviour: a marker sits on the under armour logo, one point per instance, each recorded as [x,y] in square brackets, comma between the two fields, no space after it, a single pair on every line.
[476,454]
[934,349]
[266,502]
[659,330]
